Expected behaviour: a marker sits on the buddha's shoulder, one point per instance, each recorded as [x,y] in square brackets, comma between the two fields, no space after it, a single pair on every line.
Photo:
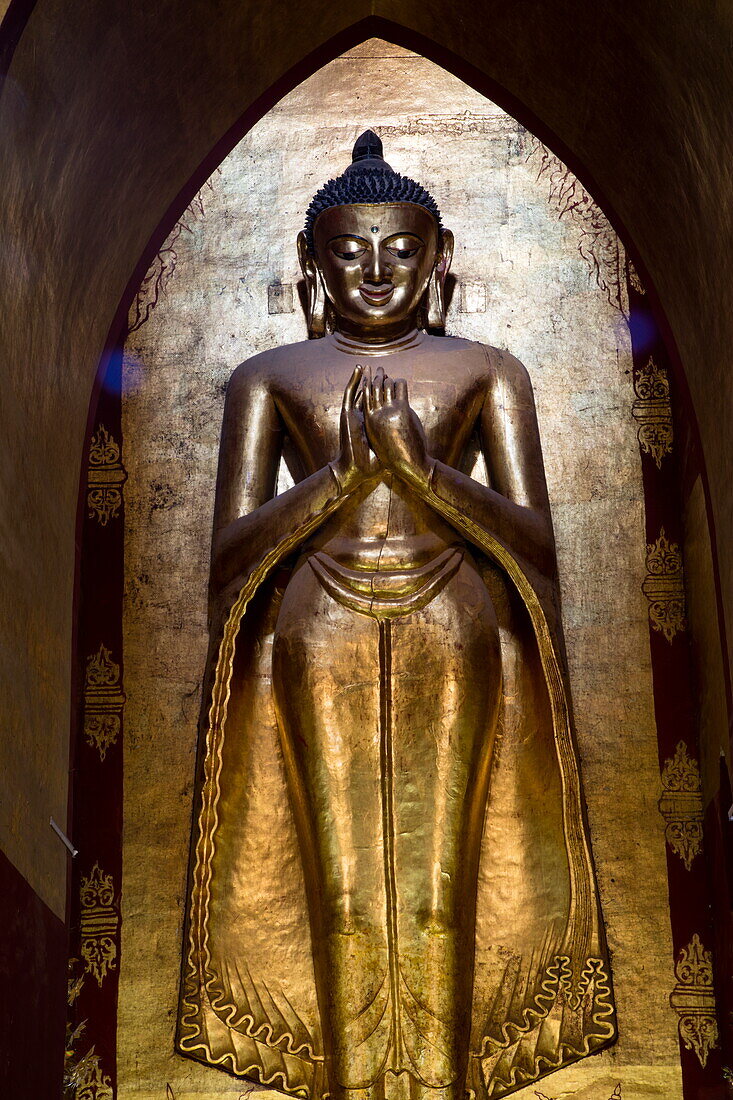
[267,365]
[495,362]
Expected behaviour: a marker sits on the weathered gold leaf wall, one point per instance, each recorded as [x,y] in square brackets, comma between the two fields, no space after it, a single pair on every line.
[537,271]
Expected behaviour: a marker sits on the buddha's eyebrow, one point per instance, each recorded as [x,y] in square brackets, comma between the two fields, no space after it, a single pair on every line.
[405,233]
[348,237]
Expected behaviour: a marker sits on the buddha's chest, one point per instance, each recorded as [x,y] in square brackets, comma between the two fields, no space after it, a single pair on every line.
[447,404]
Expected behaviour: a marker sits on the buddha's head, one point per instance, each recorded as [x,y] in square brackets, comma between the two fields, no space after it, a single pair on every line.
[374,253]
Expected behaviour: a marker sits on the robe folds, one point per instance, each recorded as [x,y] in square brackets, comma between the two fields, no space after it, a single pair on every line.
[542,994]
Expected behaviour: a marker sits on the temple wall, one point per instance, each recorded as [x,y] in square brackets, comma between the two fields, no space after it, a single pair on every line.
[108,110]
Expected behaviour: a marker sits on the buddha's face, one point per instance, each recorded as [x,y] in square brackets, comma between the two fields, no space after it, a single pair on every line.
[375,261]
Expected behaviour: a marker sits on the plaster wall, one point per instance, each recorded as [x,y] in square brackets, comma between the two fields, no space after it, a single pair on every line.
[107,111]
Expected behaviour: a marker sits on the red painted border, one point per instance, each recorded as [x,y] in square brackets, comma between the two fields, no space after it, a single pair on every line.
[96,811]
[691,892]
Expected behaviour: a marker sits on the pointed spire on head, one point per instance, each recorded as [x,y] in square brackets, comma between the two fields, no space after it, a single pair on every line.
[367,152]
[368,145]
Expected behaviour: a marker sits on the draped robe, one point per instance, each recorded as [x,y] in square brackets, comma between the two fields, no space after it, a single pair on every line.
[542,994]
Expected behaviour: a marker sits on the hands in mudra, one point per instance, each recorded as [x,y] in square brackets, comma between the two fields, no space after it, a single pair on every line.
[379,430]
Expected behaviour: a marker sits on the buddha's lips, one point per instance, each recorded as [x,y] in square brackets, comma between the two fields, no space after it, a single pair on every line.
[376,295]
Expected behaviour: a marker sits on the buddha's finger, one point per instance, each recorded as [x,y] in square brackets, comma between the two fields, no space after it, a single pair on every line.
[388,389]
[378,382]
[351,387]
[400,390]
[368,390]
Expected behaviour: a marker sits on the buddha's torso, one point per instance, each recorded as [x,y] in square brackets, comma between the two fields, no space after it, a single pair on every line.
[385,525]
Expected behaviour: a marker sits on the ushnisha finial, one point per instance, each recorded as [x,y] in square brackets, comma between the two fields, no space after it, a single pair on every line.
[368,152]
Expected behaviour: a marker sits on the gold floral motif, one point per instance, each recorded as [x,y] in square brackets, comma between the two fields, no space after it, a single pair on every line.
[74,982]
[664,587]
[652,411]
[102,730]
[75,1064]
[693,999]
[103,701]
[636,284]
[105,504]
[94,1085]
[103,450]
[105,477]
[651,383]
[681,805]
[101,670]
[99,924]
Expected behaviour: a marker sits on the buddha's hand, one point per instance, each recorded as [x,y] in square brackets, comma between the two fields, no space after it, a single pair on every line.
[356,461]
[394,429]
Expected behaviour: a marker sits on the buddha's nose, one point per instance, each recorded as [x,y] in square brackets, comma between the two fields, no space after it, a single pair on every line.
[377,269]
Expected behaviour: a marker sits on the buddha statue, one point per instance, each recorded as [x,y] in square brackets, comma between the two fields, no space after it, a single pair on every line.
[391,890]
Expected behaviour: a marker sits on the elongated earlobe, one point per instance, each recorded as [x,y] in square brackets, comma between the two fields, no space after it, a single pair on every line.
[436,301]
[314,285]
[436,286]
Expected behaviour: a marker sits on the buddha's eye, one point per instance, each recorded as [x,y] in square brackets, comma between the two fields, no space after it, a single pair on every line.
[404,248]
[348,248]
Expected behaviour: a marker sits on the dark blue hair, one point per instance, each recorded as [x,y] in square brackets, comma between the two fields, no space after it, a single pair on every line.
[368,179]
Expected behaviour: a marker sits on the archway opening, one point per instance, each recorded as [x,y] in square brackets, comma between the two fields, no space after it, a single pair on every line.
[234,305]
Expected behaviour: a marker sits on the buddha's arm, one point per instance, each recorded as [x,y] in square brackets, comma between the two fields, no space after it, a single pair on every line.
[515,510]
[250,522]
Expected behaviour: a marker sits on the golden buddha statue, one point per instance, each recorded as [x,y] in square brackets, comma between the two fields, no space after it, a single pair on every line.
[391,890]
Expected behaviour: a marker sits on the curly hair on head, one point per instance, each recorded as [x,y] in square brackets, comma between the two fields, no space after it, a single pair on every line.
[368,179]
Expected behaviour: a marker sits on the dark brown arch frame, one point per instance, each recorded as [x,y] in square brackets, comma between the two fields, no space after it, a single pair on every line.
[378,27]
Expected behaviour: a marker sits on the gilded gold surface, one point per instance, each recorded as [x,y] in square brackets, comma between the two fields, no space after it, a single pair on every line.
[215,313]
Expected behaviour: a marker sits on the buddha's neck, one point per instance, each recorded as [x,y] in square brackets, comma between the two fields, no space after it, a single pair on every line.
[357,344]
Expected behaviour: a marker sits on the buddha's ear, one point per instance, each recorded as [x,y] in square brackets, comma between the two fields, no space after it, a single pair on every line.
[314,286]
[446,250]
[436,286]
